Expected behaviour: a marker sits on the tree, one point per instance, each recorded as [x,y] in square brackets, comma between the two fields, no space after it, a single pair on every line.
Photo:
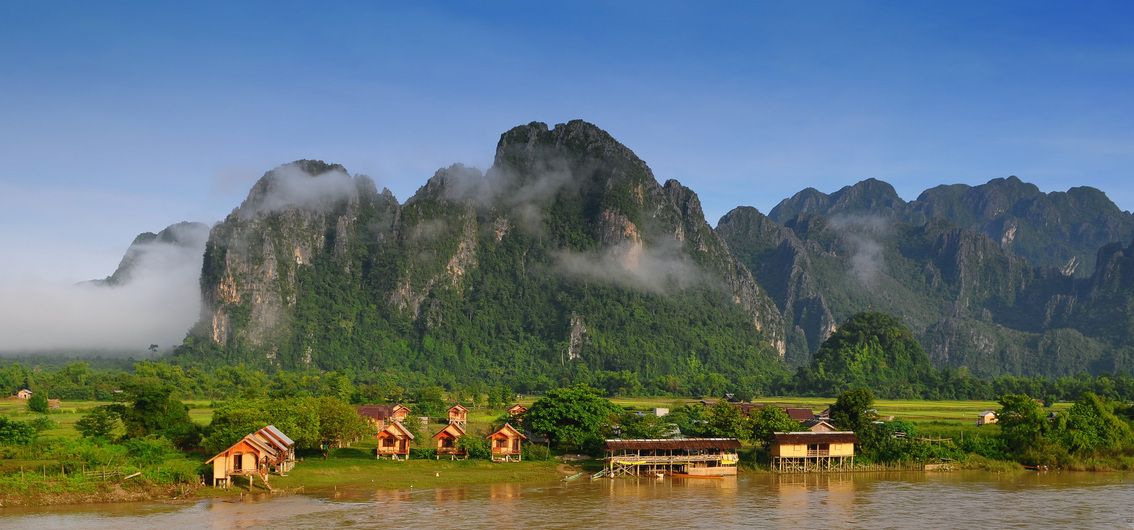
[643,425]
[573,417]
[100,422]
[723,420]
[154,411]
[767,421]
[339,422]
[1091,425]
[38,402]
[16,432]
[852,410]
[873,349]
[1025,430]
[690,419]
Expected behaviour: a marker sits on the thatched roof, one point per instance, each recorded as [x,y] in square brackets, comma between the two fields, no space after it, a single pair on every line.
[676,444]
[807,437]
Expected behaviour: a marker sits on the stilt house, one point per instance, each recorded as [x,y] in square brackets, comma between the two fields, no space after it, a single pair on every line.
[516,410]
[24,394]
[458,416]
[257,454]
[394,441]
[506,444]
[683,456]
[447,439]
[813,451]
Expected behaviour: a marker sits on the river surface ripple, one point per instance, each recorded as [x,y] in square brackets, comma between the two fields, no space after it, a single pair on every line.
[860,500]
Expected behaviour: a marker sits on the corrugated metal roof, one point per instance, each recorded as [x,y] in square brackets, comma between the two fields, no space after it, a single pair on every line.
[799,414]
[815,437]
[279,434]
[674,444]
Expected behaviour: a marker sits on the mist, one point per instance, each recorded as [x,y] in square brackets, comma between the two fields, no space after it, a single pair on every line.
[289,186]
[863,234]
[661,269]
[156,302]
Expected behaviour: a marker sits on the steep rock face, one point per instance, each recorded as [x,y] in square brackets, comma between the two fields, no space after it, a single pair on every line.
[1057,229]
[782,264]
[296,217]
[567,255]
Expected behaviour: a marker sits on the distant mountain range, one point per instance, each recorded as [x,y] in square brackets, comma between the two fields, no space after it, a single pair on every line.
[567,255]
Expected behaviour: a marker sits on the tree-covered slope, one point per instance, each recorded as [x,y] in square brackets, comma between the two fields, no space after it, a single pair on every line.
[565,259]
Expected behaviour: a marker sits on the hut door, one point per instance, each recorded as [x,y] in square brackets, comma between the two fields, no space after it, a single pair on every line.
[516,445]
[237,462]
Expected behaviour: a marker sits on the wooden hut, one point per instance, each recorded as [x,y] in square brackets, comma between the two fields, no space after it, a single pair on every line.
[284,446]
[458,416]
[506,444]
[699,457]
[257,454]
[813,451]
[446,440]
[516,410]
[987,417]
[394,441]
[24,393]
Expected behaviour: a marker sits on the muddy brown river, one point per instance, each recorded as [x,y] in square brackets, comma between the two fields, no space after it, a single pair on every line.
[860,500]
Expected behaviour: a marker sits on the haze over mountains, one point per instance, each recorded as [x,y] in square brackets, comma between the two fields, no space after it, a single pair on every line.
[567,254]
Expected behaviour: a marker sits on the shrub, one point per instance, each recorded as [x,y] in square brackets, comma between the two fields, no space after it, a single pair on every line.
[426,453]
[38,403]
[16,432]
[476,446]
[536,452]
[149,451]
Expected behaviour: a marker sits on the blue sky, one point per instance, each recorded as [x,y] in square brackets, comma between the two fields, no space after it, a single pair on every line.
[121,117]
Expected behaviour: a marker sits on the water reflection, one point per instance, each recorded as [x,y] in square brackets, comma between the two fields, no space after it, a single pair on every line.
[860,500]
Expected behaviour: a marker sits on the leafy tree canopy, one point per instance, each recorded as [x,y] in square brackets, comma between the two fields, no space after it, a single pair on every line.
[574,417]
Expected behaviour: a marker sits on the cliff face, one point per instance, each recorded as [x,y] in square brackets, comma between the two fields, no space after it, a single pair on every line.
[971,294]
[1058,229]
[566,254]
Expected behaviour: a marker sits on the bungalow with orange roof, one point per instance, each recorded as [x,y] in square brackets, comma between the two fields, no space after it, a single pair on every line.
[458,416]
[394,441]
[256,454]
[516,410]
[506,444]
[447,442]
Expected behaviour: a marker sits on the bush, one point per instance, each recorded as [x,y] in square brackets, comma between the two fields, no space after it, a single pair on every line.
[100,422]
[476,446]
[16,432]
[425,453]
[149,451]
[536,452]
[38,403]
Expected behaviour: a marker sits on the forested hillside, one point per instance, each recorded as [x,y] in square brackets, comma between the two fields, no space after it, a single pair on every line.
[566,260]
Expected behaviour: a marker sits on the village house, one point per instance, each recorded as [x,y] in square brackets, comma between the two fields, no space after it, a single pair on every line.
[799,414]
[458,416]
[704,457]
[257,454]
[506,444]
[818,425]
[516,410]
[394,441]
[986,417]
[447,442]
[379,415]
[813,451]
[24,393]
